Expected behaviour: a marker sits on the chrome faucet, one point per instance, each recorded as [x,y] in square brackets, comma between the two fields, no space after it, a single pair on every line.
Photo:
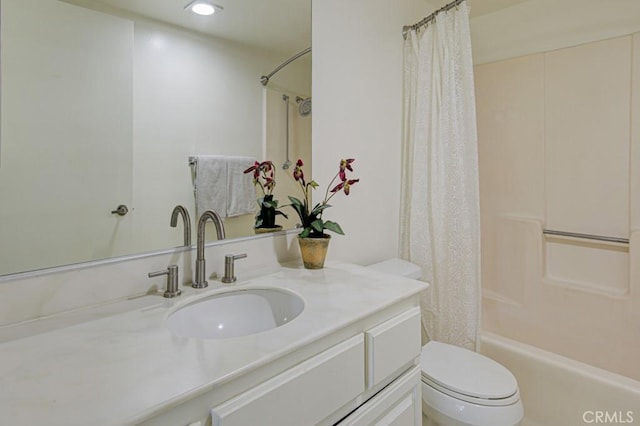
[200,279]
[172,280]
[179,210]
[229,273]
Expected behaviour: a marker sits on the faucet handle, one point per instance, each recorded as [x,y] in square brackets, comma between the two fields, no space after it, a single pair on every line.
[229,259]
[172,280]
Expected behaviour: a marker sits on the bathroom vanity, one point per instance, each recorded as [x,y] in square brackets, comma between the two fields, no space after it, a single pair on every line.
[350,357]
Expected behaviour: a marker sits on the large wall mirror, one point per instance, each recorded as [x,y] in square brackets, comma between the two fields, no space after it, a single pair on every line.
[103,102]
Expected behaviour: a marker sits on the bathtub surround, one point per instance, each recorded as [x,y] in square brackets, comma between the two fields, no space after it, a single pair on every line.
[440,228]
[570,116]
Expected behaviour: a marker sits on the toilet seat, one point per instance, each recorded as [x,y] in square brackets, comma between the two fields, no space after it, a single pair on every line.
[467,375]
[398,267]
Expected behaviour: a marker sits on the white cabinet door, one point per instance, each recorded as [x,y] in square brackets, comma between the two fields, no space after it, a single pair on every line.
[303,395]
[399,404]
[392,347]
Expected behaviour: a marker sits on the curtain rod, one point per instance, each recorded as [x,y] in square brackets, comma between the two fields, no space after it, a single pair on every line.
[429,18]
[265,78]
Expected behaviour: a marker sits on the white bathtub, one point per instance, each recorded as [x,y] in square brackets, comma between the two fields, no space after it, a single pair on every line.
[558,391]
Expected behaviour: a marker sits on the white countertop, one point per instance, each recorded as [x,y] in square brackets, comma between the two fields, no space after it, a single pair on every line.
[119,364]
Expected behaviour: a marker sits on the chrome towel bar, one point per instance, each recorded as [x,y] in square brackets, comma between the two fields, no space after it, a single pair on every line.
[586,236]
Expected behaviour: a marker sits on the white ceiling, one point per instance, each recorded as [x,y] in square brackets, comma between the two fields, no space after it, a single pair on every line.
[278,25]
[484,7]
[284,26]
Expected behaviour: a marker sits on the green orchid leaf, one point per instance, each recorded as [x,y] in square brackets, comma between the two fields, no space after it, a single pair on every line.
[317,225]
[319,208]
[305,233]
[278,212]
[295,201]
[334,227]
[298,207]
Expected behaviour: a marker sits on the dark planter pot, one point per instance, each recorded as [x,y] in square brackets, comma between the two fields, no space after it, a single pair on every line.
[267,214]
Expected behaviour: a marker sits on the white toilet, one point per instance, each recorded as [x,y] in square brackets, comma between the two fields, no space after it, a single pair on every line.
[461,387]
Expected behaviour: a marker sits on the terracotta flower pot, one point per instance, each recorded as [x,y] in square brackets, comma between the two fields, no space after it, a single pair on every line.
[314,251]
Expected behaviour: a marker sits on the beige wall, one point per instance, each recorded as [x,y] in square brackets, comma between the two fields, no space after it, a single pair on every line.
[558,142]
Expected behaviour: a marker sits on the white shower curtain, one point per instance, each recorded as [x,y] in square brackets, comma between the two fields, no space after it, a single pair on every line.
[440,223]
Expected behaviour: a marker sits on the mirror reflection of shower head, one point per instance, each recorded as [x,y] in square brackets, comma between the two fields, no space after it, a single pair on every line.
[304,106]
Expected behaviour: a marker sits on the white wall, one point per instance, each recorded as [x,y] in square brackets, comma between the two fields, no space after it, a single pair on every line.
[357,101]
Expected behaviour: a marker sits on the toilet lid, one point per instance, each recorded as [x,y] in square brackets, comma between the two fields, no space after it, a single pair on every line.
[466,373]
[398,267]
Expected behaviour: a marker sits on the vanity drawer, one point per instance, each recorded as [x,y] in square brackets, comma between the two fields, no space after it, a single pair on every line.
[392,346]
[303,395]
[400,403]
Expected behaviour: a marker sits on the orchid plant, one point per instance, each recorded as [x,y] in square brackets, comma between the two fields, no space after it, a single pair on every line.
[313,226]
[264,178]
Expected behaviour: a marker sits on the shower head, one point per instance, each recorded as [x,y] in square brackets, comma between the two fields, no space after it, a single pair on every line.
[304,106]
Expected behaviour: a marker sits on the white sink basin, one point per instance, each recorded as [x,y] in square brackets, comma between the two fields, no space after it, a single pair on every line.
[236,313]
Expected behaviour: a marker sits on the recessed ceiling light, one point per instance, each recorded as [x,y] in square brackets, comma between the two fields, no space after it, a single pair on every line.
[203,7]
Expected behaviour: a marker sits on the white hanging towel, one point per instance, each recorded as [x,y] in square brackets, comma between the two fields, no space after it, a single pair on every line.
[221,185]
[210,184]
[241,194]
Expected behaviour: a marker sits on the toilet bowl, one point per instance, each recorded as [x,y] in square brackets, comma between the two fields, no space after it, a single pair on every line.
[461,387]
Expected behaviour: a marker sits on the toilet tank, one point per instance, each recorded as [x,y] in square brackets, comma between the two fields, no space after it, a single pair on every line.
[398,267]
